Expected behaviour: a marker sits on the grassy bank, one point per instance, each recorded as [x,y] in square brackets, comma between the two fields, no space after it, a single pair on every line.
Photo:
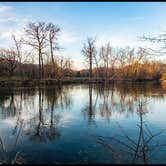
[35,82]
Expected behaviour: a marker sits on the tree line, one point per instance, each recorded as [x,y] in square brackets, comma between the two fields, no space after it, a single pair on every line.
[40,40]
[111,63]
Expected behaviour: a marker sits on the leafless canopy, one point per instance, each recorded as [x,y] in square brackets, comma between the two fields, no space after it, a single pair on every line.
[37,33]
[160,39]
[53,32]
[89,51]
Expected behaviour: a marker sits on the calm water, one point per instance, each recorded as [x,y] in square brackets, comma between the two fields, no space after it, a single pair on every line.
[120,123]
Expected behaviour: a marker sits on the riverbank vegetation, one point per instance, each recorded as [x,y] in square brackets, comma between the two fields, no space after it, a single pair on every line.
[34,57]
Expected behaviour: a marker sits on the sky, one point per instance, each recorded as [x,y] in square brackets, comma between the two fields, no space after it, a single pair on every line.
[120,23]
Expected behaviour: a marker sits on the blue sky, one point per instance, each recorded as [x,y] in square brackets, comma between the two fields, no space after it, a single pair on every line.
[121,23]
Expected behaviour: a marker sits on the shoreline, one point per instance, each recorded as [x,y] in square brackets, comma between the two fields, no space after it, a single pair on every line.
[37,82]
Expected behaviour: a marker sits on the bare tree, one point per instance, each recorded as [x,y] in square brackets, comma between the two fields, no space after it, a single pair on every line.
[97,61]
[161,40]
[21,58]
[108,59]
[9,58]
[53,31]
[37,33]
[89,50]
[121,55]
[64,67]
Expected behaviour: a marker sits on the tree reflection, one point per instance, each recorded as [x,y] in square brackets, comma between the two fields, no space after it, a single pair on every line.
[40,125]
[105,106]
[45,130]
[37,113]
[110,99]
[89,109]
[132,151]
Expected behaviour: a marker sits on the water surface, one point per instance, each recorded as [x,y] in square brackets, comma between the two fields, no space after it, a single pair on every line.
[118,123]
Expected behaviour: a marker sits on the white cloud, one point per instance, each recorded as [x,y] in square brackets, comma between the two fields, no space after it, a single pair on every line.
[122,41]
[8,34]
[4,8]
[14,19]
[115,41]
[78,64]
[3,20]
[67,37]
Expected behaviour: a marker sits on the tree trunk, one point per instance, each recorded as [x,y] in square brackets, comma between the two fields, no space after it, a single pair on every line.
[90,66]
